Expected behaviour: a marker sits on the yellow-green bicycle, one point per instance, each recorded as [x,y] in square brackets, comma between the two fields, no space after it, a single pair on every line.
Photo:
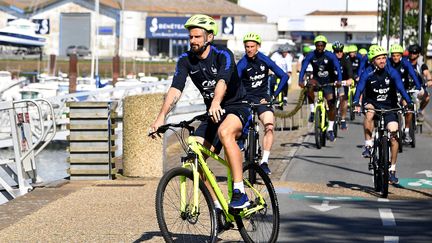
[185,209]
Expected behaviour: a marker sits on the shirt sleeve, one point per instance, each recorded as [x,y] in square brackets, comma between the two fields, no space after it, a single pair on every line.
[304,66]
[360,87]
[181,73]
[226,65]
[278,71]
[412,73]
[241,66]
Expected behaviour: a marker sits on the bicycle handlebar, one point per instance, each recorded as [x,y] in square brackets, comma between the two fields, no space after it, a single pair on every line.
[182,124]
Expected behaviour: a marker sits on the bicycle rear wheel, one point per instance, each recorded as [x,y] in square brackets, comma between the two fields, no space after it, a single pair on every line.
[412,131]
[183,225]
[262,226]
[383,166]
[318,131]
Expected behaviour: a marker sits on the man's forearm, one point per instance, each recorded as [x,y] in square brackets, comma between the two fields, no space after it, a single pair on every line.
[171,99]
[220,91]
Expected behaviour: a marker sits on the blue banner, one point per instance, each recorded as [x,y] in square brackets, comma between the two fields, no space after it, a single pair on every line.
[166,28]
[228,25]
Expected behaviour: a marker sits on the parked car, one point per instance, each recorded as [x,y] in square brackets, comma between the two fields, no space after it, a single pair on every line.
[78,50]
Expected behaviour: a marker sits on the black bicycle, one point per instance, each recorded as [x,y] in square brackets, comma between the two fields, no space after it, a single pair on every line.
[380,159]
[252,145]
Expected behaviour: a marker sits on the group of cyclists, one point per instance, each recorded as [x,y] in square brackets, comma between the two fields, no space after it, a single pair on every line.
[379,75]
[225,85]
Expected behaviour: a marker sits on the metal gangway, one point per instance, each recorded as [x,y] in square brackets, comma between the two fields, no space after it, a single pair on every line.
[33,126]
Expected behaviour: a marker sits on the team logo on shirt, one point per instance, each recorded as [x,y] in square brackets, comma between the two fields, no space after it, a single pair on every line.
[262,67]
[387,81]
[257,80]
[214,70]
[325,61]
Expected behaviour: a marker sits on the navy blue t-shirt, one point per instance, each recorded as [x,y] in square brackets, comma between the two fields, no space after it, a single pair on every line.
[253,73]
[380,86]
[205,73]
[325,66]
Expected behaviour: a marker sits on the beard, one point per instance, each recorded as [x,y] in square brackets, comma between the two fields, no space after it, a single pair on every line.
[198,50]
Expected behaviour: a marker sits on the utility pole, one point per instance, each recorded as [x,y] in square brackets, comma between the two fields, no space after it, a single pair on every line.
[388,23]
[421,23]
[401,18]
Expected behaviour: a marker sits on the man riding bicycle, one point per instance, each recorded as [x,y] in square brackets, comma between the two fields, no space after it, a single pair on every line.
[213,71]
[423,74]
[357,61]
[253,69]
[324,64]
[379,84]
[403,66]
[347,76]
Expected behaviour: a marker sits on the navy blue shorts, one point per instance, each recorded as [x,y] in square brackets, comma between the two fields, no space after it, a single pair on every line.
[208,129]
[389,117]
[262,108]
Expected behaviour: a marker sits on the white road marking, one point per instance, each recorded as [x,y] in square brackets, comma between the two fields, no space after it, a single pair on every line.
[383,200]
[387,217]
[391,239]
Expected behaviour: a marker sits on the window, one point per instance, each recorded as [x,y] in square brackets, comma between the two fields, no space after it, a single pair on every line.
[140,44]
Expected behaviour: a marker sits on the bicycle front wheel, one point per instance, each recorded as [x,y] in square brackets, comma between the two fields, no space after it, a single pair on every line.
[384,166]
[262,226]
[181,222]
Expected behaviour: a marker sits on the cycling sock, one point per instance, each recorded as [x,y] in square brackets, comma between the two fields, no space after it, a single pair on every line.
[217,204]
[240,186]
[369,143]
[312,107]
[265,157]
[330,127]
[393,167]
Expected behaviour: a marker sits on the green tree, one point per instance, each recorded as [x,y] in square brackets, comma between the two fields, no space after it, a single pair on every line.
[410,22]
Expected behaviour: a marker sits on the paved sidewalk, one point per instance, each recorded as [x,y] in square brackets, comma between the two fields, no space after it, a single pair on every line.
[121,210]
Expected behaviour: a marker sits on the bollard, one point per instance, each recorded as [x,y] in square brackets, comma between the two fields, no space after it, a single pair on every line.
[73,62]
[142,155]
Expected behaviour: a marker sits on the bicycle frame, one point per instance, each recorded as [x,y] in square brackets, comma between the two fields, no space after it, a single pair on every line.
[351,93]
[321,105]
[199,162]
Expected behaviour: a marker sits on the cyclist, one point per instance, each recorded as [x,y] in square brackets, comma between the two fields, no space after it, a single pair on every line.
[253,69]
[422,73]
[283,59]
[363,52]
[309,75]
[324,64]
[403,66]
[213,71]
[358,62]
[347,76]
[380,82]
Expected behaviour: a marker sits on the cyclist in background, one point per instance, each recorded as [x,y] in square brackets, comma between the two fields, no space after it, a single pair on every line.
[380,82]
[253,69]
[309,75]
[403,66]
[283,59]
[213,71]
[363,52]
[358,62]
[347,76]
[324,64]
[423,73]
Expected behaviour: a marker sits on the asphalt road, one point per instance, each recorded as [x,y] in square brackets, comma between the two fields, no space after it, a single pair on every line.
[329,196]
